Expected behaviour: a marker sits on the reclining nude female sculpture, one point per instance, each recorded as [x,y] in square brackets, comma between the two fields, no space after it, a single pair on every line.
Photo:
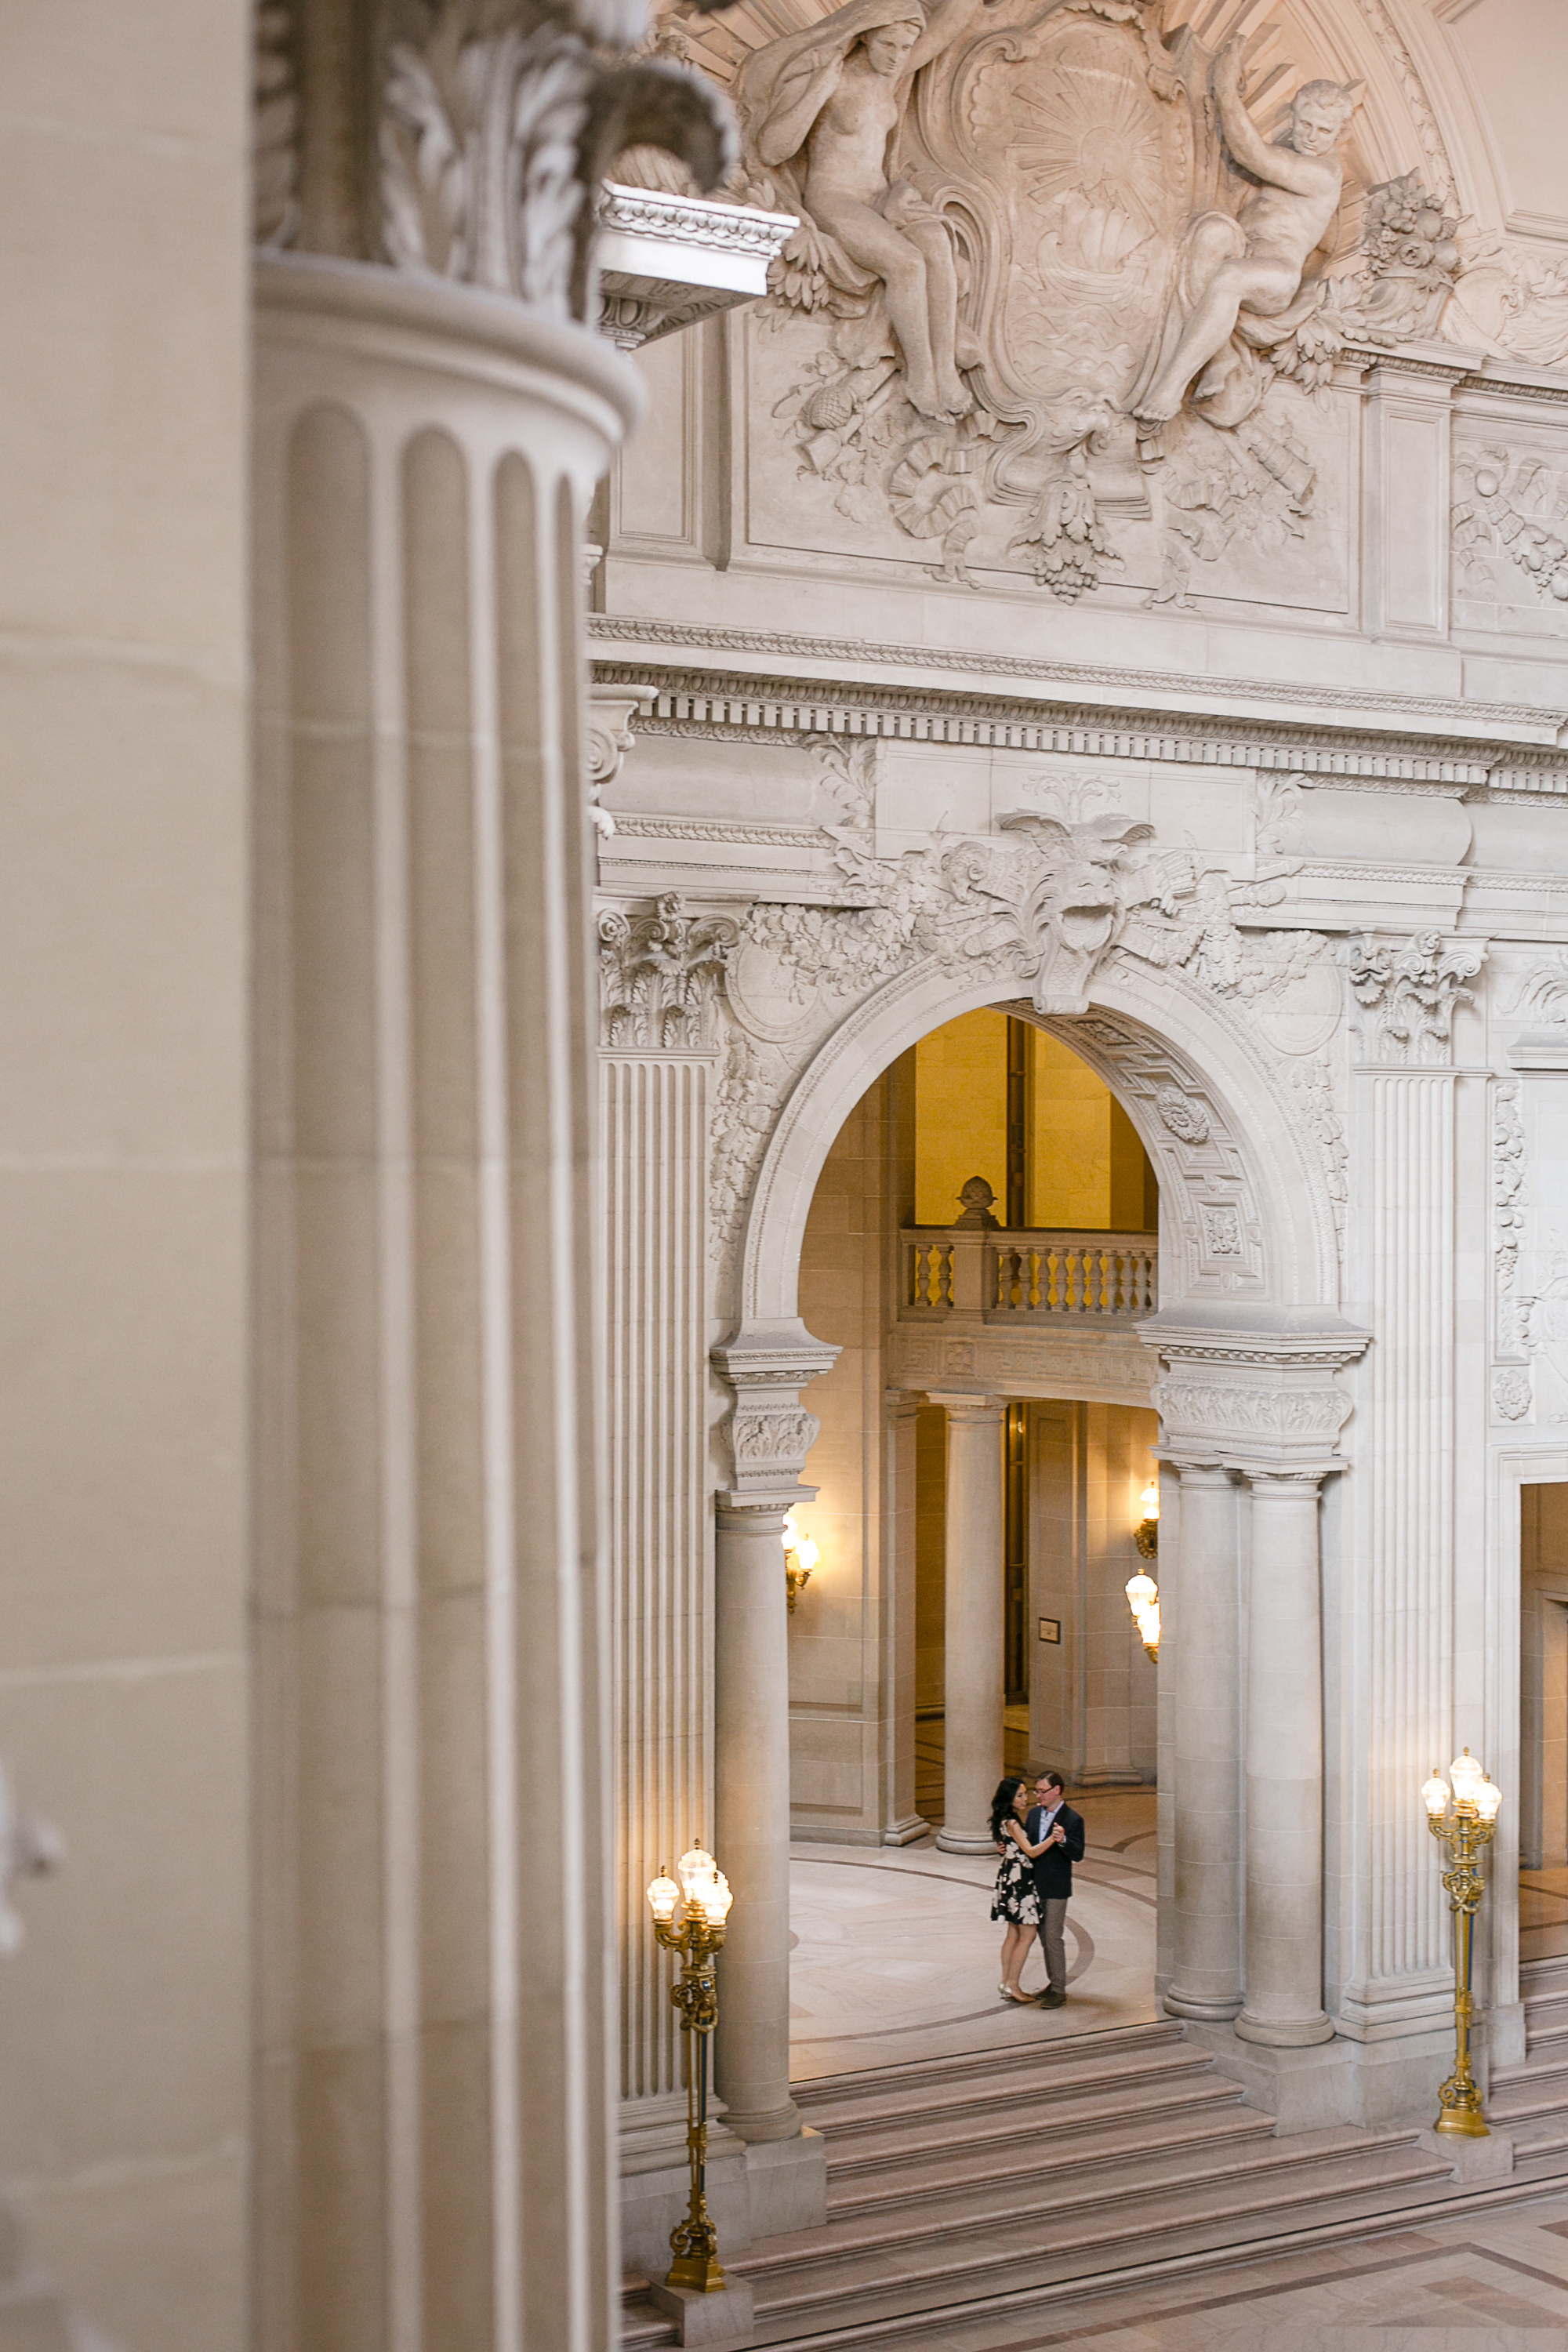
[829,101]
[1244,275]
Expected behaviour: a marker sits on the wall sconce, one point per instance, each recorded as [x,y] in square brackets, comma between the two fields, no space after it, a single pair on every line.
[1144,1599]
[1146,1535]
[800,1556]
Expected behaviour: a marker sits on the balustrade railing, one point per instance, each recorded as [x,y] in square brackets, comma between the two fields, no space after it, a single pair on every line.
[1029,1277]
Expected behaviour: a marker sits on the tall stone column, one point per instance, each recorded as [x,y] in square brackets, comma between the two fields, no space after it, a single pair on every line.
[1206,1603]
[770,1435]
[1284,1968]
[974,1631]
[750,1738]
[432,416]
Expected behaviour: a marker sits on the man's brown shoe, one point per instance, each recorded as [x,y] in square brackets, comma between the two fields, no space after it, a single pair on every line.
[1051,1998]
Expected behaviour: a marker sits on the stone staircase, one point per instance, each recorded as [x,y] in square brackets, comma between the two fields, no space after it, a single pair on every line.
[1531,2100]
[956,2182]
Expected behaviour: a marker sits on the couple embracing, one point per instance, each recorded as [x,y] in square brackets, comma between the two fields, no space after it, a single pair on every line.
[1039,1844]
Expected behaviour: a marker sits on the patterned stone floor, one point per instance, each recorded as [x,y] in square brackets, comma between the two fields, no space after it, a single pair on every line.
[1473,2283]
[895,1957]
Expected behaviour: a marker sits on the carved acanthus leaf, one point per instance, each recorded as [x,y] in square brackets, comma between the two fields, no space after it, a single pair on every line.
[658,977]
[1409,992]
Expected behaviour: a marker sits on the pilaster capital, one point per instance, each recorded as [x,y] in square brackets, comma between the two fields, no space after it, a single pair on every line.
[1252,1390]
[769,1430]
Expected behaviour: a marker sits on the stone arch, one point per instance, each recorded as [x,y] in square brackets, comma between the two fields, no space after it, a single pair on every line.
[1250,1198]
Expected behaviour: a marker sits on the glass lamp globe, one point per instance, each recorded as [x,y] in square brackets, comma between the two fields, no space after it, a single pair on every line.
[1489,1797]
[663,1895]
[1142,1592]
[695,1870]
[1149,1500]
[1467,1776]
[807,1552]
[1435,1795]
[717,1899]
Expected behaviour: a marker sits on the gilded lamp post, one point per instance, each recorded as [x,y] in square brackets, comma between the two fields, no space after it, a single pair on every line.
[1464,1827]
[689,1919]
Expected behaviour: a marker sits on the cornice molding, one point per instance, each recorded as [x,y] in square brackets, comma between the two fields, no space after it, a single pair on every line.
[1455,753]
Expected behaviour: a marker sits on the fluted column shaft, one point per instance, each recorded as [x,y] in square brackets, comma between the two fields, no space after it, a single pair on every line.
[1284,1769]
[750,1830]
[1206,1978]
[975,1611]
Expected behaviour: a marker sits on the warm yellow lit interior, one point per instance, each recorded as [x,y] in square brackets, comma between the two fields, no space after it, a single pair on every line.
[1085,1166]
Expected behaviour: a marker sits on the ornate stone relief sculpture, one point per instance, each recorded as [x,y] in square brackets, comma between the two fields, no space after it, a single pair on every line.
[496,121]
[1043,905]
[1512,1385]
[1409,992]
[1510,519]
[1052,271]
[1411,265]
[658,977]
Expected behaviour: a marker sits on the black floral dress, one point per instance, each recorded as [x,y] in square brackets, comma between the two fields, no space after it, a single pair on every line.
[1014,1899]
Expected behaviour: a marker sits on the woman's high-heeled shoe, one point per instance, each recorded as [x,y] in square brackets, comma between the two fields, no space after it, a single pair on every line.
[1012,1992]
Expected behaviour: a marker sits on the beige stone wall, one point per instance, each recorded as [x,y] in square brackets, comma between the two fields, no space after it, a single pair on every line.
[1092,1698]
[123,951]
[852,1639]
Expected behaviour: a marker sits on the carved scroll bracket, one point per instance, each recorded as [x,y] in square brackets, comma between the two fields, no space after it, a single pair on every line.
[1253,1388]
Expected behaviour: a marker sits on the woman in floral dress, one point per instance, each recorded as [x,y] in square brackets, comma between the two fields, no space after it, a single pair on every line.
[1015,1901]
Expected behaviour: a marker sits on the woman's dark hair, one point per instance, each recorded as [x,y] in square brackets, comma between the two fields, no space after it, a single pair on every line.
[1002,1806]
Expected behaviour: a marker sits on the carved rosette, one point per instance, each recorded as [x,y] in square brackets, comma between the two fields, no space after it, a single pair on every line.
[1253,1390]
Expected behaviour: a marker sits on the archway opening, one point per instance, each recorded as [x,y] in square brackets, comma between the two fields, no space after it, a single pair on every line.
[1543,1724]
[981,1244]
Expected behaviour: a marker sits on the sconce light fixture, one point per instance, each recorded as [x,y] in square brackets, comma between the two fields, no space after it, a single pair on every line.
[1144,1599]
[1146,1535]
[800,1556]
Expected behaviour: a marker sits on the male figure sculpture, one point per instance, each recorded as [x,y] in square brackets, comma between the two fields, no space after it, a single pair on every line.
[829,101]
[1262,254]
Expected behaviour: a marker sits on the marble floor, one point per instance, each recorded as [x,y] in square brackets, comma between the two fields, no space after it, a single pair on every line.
[1543,1914]
[895,1957]
[1473,2283]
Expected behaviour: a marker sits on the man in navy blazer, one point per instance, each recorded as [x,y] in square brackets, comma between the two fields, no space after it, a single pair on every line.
[1054,1827]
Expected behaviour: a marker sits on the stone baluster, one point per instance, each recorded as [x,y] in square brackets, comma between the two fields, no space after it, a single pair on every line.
[975,1587]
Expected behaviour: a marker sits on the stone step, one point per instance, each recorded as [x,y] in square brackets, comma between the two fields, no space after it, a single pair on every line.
[871,2150]
[1072,2054]
[1002,2170]
[942,2212]
[1040,2090]
[1539,1980]
[932,2273]
[1539,2086]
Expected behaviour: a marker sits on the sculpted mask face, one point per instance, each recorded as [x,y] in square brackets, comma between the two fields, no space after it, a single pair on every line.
[888,46]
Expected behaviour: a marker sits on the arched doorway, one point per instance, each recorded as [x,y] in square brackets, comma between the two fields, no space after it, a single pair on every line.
[1249,1340]
[894,1957]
